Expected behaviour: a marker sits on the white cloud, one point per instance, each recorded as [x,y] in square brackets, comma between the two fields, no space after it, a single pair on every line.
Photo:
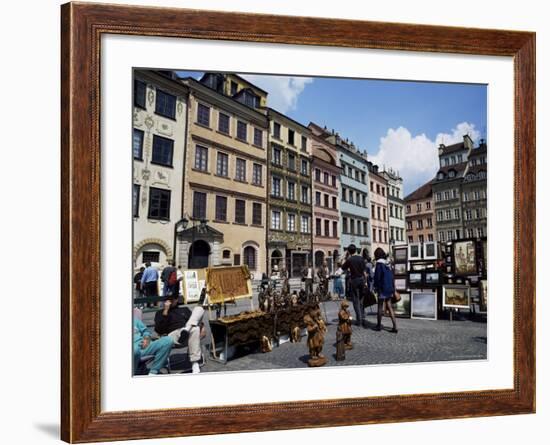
[283,91]
[415,157]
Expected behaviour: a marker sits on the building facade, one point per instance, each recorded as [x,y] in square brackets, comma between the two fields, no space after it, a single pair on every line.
[159,137]
[446,188]
[474,193]
[419,215]
[326,206]
[378,186]
[289,235]
[396,211]
[225,178]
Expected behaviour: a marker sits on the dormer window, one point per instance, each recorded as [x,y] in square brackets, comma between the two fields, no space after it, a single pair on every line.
[440,175]
[470,177]
[452,173]
[482,174]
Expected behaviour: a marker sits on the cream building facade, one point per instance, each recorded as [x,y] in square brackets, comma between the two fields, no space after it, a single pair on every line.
[225,179]
[159,133]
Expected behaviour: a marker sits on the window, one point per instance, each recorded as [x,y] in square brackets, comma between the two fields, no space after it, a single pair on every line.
[383,191]
[482,174]
[305,194]
[221,208]
[241,130]
[441,236]
[305,167]
[276,156]
[449,235]
[438,196]
[378,212]
[476,195]
[459,158]
[275,220]
[428,205]
[391,210]
[365,229]
[372,211]
[419,207]
[378,188]
[150,257]
[276,186]
[478,213]
[159,203]
[344,225]
[374,235]
[334,180]
[318,174]
[258,137]
[408,209]
[357,175]
[135,200]
[344,194]
[363,177]
[291,191]
[448,214]
[222,165]
[334,229]
[317,198]
[457,213]
[318,226]
[137,144]
[409,225]
[304,143]
[452,173]
[352,226]
[201,158]
[277,130]
[410,239]
[470,233]
[256,213]
[165,104]
[140,90]
[291,162]
[203,115]
[429,223]
[421,238]
[291,136]
[457,233]
[372,186]
[325,196]
[334,200]
[163,150]
[305,224]
[237,259]
[249,254]
[291,222]
[455,193]
[199,205]
[480,232]
[257,174]
[223,123]
[234,86]
[468,215]
[430,237]
[240,211]
[240,170]
[419,224]
[440,215]
[351,196]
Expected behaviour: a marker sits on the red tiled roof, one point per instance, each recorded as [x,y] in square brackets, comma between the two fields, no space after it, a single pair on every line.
[422,192]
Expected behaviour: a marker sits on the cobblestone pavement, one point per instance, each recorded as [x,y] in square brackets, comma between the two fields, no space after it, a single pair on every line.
[416,341]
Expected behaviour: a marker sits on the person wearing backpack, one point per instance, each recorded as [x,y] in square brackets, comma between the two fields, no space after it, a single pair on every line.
[383,285]
[169,277]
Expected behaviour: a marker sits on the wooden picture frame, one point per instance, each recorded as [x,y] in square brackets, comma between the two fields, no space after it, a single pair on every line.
[458,287]
[426,295]
[82,26]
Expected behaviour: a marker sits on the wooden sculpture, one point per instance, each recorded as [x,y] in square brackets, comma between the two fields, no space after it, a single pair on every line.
[316,330]
[344,324]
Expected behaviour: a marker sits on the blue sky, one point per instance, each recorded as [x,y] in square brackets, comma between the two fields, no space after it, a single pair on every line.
[399,123]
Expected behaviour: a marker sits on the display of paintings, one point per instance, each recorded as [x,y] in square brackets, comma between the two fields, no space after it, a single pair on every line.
[424,305]
[191,289]
[432,277]
[400,283]
[403,307]
[400,269]
[415,278]
[430,251]
[483,295]
[464,257]
[473,279]
[400,254]
[417,267]
[456,296]
[415,252]
[474,295]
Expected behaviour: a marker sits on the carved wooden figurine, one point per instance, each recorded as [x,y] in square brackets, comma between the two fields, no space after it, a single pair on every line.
[344,324]
[295,334]
[316,330]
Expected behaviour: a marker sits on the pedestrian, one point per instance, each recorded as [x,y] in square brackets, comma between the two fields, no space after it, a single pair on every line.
[337,281]
[169,277]
[307,277]
[138,291]
[355,265]
[368,265]
[180,287]
[149,282]
[384,286]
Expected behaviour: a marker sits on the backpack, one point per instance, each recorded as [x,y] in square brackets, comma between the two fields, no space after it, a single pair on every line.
[172,278]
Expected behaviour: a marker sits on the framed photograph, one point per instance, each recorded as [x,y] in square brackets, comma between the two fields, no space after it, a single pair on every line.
[474,295]
[432,277]
[424,305]
[403,307]
[400,254]
[400,269]
[464,257]
[430,250]
[415,278]
[400,283]
[170,144]
[456,296]
[415,251]
[483,295]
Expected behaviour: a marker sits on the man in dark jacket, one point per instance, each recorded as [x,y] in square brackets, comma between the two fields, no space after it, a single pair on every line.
[169,277]
[183,325]
[355,266]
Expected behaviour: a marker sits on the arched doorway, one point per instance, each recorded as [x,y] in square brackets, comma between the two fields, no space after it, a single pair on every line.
[249,257]
[319,258]
[198,255]
[276,258]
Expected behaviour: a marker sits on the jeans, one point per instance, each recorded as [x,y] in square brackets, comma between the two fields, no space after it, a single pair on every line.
[159,348]
[356,294]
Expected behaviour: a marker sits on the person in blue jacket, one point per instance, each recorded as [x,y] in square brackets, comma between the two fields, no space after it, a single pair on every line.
[384,287]
[143,345]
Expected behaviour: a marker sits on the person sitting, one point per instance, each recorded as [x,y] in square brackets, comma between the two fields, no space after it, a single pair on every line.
[182,325]
[144,346]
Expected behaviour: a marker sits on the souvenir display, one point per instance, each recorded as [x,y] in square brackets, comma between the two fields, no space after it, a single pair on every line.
[464,257]
[456,296]
[415,251]
[430,251]
[424,305]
